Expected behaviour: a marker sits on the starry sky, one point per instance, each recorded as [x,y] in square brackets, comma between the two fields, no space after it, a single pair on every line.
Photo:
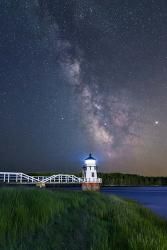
[80,76]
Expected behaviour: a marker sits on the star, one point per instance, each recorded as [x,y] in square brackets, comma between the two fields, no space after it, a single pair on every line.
[156,122]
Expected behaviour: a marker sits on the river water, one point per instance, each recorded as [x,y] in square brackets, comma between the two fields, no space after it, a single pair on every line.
[154,198]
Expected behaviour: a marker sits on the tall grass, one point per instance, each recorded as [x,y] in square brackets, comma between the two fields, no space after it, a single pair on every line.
[60,220]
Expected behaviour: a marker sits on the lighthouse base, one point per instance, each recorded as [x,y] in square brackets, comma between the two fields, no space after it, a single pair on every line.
[88,186]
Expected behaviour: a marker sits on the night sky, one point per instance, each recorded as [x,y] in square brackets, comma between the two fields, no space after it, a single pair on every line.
[83,76]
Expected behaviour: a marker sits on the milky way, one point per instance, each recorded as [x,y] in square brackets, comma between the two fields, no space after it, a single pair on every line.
[80,77]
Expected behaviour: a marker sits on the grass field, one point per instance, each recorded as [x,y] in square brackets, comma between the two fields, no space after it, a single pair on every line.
[41,219]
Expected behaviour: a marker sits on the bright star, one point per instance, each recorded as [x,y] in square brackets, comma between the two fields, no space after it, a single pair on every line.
[156,122]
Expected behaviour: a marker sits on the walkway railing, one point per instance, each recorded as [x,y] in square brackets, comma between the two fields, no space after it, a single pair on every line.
[21,178]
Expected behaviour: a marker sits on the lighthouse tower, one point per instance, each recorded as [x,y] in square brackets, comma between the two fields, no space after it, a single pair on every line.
[90,180]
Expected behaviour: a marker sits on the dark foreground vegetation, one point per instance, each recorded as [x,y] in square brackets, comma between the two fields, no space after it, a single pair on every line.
[124,179]
[60,220]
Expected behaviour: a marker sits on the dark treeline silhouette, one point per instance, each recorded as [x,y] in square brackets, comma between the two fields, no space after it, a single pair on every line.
[122,179]
[131,179]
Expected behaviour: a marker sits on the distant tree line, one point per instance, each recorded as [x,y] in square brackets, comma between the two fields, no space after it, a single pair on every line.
[121,179]
[131,179]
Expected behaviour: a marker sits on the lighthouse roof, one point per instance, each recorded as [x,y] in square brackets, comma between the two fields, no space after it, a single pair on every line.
[90,157]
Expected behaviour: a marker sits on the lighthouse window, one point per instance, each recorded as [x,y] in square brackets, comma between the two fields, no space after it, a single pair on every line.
[93,175]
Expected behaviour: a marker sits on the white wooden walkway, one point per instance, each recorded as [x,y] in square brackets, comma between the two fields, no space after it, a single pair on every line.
[21,178]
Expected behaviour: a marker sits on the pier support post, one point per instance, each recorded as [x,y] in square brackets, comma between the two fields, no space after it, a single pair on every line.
[40,184]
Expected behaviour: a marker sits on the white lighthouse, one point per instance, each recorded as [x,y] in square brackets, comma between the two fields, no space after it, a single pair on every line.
[91,182]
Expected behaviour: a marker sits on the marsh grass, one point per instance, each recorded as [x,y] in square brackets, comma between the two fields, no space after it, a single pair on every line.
[59,220]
